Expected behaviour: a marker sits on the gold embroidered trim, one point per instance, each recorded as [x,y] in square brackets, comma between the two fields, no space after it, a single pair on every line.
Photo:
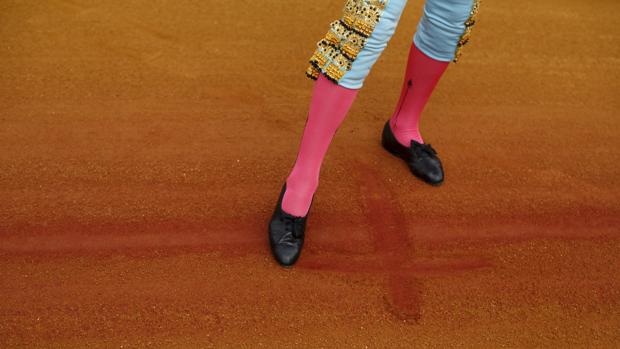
[345,38]
[469,23]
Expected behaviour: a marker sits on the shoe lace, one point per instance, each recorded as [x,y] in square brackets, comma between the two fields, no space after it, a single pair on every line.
[292,227]
[419,148]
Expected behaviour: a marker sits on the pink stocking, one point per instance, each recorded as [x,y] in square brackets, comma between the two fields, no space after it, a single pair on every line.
[421,76]
[328,108]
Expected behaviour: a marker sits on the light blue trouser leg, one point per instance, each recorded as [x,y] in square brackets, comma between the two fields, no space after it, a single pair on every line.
[375,44]
[441,27]
[437,35]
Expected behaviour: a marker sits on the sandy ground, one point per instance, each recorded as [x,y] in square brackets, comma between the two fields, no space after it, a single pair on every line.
[143,145]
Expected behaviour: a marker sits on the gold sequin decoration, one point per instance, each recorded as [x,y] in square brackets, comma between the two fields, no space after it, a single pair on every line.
[346,37]
[469,23]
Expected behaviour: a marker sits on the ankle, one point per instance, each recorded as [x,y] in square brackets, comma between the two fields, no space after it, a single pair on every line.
[404,134]
[297,203]
[301,183]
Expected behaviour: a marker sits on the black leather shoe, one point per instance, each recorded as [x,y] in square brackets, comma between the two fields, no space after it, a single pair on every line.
[286,233]
[421,158]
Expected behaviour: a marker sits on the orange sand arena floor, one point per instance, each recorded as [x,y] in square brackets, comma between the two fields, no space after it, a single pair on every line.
[143,145]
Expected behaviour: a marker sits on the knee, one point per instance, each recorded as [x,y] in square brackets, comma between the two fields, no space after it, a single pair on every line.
[447,16]
[442,25]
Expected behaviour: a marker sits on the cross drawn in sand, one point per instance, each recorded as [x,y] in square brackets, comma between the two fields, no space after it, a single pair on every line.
[392,244]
